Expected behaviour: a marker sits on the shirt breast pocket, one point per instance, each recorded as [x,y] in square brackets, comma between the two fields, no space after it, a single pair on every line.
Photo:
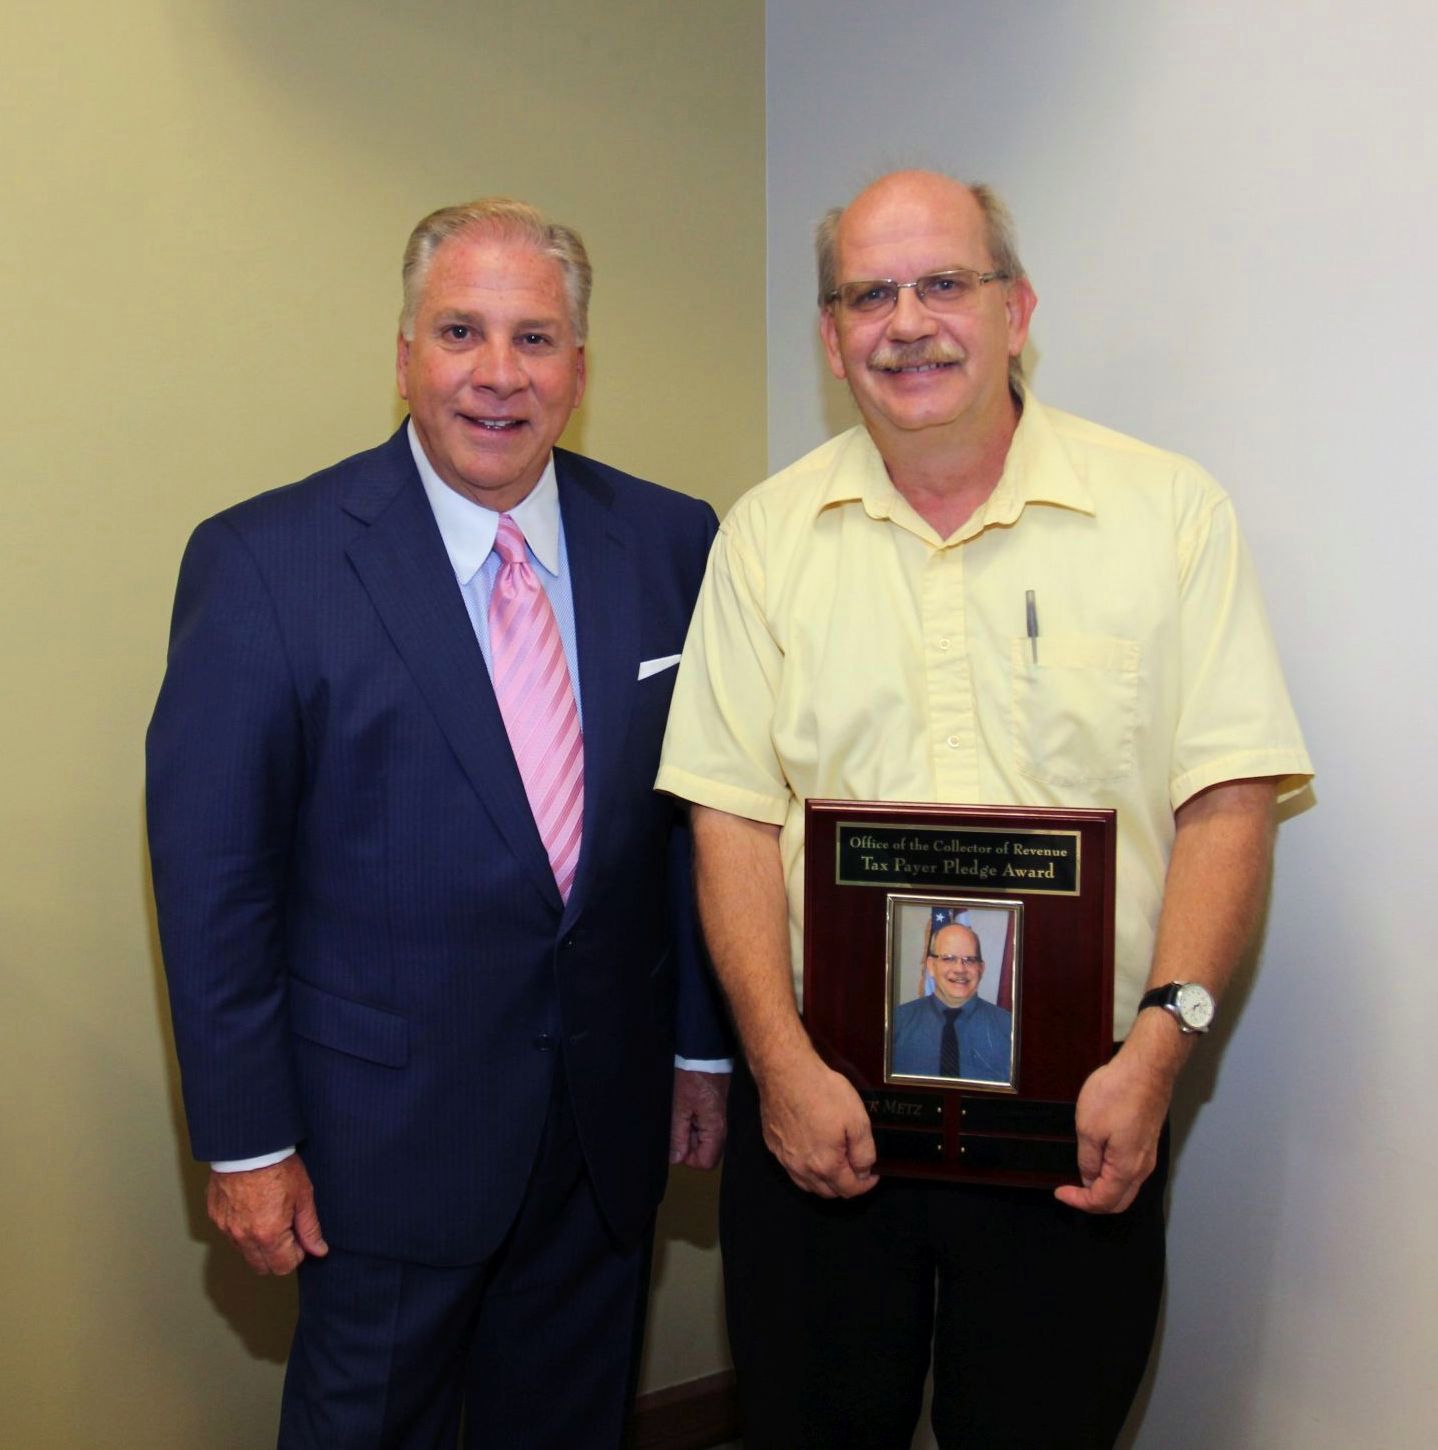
[1073,714]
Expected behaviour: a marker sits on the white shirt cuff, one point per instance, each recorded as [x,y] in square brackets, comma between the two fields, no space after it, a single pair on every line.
[243,1165]
[704,1064]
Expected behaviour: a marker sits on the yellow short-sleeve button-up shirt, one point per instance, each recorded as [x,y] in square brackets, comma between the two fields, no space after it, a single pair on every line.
[841,648]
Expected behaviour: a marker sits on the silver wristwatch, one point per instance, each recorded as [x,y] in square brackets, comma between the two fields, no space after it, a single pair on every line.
[1191,1004]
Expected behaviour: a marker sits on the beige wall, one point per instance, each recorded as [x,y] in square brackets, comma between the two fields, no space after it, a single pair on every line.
[204,205]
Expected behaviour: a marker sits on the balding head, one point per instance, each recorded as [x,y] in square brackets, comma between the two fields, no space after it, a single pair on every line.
[901,190]
[910,205]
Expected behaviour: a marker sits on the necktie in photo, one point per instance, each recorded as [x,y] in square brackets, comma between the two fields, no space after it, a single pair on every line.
[949,1044]
[531,683]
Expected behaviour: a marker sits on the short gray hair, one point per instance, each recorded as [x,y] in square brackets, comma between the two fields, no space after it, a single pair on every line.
[999,238]
[513,220]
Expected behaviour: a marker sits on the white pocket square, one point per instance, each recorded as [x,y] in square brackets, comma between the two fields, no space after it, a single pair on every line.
[652,667]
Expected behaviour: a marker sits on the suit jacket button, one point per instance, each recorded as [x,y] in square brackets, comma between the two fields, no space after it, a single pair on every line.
[544,1042]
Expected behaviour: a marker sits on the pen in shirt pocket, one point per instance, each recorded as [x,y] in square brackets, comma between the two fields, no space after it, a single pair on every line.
[1031,620]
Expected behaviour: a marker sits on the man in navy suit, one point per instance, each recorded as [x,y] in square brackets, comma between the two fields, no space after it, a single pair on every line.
[429,1058]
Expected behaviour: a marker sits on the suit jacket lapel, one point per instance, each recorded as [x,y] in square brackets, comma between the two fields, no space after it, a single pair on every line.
[604,582]
[401,561]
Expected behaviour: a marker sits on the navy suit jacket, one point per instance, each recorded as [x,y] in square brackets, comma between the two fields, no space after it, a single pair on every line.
[366,951]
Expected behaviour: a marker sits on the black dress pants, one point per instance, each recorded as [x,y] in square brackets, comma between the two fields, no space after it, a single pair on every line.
[1040,1318]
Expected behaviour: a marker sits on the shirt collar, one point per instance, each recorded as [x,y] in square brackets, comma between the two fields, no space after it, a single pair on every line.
[966,1009]
[1037,470]
[468,528]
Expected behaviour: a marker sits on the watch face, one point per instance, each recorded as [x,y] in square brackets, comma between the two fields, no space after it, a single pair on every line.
[1195,1006]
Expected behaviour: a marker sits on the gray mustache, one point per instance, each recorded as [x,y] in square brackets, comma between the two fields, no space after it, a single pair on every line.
[911,355]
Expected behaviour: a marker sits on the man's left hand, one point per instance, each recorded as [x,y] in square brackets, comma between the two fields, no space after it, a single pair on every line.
[699,1122]
[1212,898]
[1120,1115]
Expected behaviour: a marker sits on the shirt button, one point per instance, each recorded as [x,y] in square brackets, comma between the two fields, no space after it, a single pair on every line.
[953,742]
[544,1042]
[943,644]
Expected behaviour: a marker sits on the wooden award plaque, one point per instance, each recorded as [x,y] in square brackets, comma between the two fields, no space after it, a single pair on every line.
[1028,979]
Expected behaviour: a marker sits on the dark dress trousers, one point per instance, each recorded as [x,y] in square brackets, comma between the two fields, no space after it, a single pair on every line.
[366,951]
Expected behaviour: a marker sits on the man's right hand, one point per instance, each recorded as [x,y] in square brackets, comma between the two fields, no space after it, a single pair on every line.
[816,1125]
[269,1215]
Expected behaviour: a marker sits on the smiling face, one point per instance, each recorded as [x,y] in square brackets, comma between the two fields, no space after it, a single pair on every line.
[493,370]
[955,964]
[914,370]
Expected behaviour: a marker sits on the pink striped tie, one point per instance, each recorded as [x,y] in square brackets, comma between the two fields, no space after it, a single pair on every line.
[531,683]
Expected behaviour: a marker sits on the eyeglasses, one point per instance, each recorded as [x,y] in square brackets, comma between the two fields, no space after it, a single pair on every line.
[949,961]
[952,290]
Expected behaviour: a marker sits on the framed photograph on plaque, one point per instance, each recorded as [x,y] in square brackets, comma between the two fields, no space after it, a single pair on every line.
[954,968]
[958,969]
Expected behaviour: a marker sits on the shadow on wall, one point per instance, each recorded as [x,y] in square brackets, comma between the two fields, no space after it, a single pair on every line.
[1197,1087]
[688,1214]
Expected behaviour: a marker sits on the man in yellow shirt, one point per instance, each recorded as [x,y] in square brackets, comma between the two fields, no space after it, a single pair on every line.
[865,632]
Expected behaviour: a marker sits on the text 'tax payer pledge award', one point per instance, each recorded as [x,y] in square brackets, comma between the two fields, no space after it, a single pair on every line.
[958,969]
